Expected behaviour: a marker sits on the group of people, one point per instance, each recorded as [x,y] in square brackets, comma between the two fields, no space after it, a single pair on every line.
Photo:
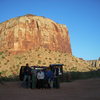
[45,78]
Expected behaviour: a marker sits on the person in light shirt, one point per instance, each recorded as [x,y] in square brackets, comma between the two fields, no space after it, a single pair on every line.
[40,79]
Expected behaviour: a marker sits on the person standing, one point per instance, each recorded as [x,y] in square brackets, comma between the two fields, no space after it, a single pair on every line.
[50,77]
[40,79]
[56,78]
[27,76]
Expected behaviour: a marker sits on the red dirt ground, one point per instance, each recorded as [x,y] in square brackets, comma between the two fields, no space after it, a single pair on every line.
[77,90]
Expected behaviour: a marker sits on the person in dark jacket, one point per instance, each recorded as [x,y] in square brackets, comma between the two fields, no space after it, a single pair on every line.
[56,78]
[27,76]
[50,77]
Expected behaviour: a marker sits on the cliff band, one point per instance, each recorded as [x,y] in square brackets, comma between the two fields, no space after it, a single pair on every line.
[29,32]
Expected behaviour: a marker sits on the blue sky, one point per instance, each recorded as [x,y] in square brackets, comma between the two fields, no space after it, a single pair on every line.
[82,17]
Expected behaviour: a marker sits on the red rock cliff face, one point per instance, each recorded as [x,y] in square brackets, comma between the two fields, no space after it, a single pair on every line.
[29,32]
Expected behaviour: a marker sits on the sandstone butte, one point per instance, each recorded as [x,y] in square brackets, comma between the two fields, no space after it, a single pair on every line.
[30,32]
[44,41]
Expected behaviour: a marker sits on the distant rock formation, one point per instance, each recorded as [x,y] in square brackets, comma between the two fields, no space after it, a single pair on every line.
[94,63]
[29,32]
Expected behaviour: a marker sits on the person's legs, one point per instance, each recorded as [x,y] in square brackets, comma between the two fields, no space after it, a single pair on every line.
[51,83]
[38,83]
[25,78]
[29,79]
[42,83]
[24,81]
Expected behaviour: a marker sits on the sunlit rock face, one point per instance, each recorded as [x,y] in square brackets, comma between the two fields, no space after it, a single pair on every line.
[29,32]
[94,63]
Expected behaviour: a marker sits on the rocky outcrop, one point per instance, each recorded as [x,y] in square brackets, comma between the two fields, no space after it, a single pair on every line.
[94,63]
[29,32]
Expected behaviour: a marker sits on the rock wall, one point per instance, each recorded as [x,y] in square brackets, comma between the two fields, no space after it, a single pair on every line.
[94,63]
[29,32]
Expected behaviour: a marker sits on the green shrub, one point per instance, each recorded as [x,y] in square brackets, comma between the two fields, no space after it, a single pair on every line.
[1,53]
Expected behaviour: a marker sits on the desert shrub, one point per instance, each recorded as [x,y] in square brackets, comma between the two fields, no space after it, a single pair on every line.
[18,65]
[73,69]
[14,67]
[4,73]
[20,62]
[59,59]
[3,56]
[38,55]
[10,78]
[46,58]
[59,55]
[44,63]
[39,61]
[19,58]
[85,75]
[58,62]
[7,60]
[25,58]
[65,55]
[5,63]
[1,53]
[49,58]
[49,51]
